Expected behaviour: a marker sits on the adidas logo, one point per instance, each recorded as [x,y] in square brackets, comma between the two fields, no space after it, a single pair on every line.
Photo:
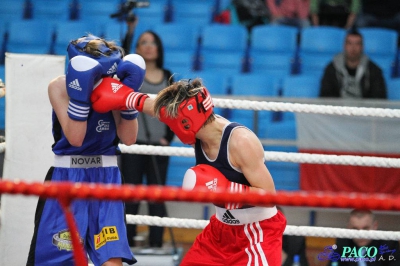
[75,85]
[115,87]
[112,69]
[228,218]
[212,185]
[208,103]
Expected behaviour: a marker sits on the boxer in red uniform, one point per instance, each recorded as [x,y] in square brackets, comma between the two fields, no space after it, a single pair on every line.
[228,156]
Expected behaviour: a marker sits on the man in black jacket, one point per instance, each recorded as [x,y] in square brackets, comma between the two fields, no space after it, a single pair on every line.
[373,252]
[381,14]
[352,74]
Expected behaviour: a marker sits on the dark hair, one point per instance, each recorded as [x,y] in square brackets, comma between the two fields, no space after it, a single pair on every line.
[92,46]
[160,48]
[362,213]
[353,31]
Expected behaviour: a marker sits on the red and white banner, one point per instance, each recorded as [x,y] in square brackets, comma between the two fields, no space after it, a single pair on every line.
[349,135]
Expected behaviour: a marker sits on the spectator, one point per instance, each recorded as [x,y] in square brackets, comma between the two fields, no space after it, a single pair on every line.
[290,12]
[135,167]
[366,220]
[338,13]
[377,13]
[352,74]
[249,13]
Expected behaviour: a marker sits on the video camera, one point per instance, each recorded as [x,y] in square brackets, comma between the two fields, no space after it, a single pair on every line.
[124,12]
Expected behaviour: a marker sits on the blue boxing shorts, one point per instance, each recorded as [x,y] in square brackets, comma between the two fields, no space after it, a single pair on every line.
[101,223]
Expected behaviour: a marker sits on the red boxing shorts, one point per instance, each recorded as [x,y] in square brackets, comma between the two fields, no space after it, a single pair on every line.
[254,243]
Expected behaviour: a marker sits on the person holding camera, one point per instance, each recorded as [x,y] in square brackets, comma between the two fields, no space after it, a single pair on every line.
[135,167]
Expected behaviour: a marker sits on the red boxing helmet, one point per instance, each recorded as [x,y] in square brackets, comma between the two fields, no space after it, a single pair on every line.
[192,114]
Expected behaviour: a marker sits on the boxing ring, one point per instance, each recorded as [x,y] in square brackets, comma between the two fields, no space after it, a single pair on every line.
[28,156]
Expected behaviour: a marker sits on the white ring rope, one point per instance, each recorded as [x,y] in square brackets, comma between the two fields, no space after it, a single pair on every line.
[290,229]
[304,108]
[269,156]
[274,156]
[286,156]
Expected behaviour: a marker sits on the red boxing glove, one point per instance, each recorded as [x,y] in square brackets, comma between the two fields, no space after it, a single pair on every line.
[205,176]
[111,94]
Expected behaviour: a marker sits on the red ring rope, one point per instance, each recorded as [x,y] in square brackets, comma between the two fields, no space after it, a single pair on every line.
[65,192]
[71,191]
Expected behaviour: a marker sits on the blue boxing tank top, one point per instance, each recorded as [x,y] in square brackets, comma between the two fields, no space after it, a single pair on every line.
[100,139]
[222,162]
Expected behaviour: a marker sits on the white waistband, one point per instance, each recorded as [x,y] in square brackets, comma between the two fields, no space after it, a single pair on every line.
[84,161]
[244,216]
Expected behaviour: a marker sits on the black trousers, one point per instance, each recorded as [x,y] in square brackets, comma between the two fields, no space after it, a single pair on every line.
[134,169]
[333,16]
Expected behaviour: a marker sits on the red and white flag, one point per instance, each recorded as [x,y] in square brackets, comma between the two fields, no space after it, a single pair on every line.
[349,135]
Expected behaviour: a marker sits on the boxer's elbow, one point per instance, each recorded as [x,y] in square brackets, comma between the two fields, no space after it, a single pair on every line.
[74,131]
[76,142]
[128,140]
[75,138]
[127,131]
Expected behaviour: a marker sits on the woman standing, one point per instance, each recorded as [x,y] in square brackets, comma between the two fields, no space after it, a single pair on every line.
[151,132]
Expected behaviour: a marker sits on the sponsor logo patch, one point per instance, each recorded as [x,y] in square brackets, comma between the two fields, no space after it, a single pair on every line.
[102,126]
[85,161]
[107,234]
[62,240]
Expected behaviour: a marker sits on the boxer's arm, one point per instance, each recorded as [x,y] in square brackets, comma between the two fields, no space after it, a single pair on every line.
[126,129]
[74,131]
[148,107]
[247,153]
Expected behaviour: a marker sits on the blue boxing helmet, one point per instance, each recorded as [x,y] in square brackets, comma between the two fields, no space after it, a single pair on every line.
[108,59]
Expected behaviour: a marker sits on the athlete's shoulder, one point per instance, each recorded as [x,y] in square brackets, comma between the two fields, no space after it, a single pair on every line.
[242,138]
[242,129]
[60,80]
[57,88]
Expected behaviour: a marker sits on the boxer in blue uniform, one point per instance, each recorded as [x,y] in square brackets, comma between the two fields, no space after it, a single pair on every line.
[228,157]
[86,148]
